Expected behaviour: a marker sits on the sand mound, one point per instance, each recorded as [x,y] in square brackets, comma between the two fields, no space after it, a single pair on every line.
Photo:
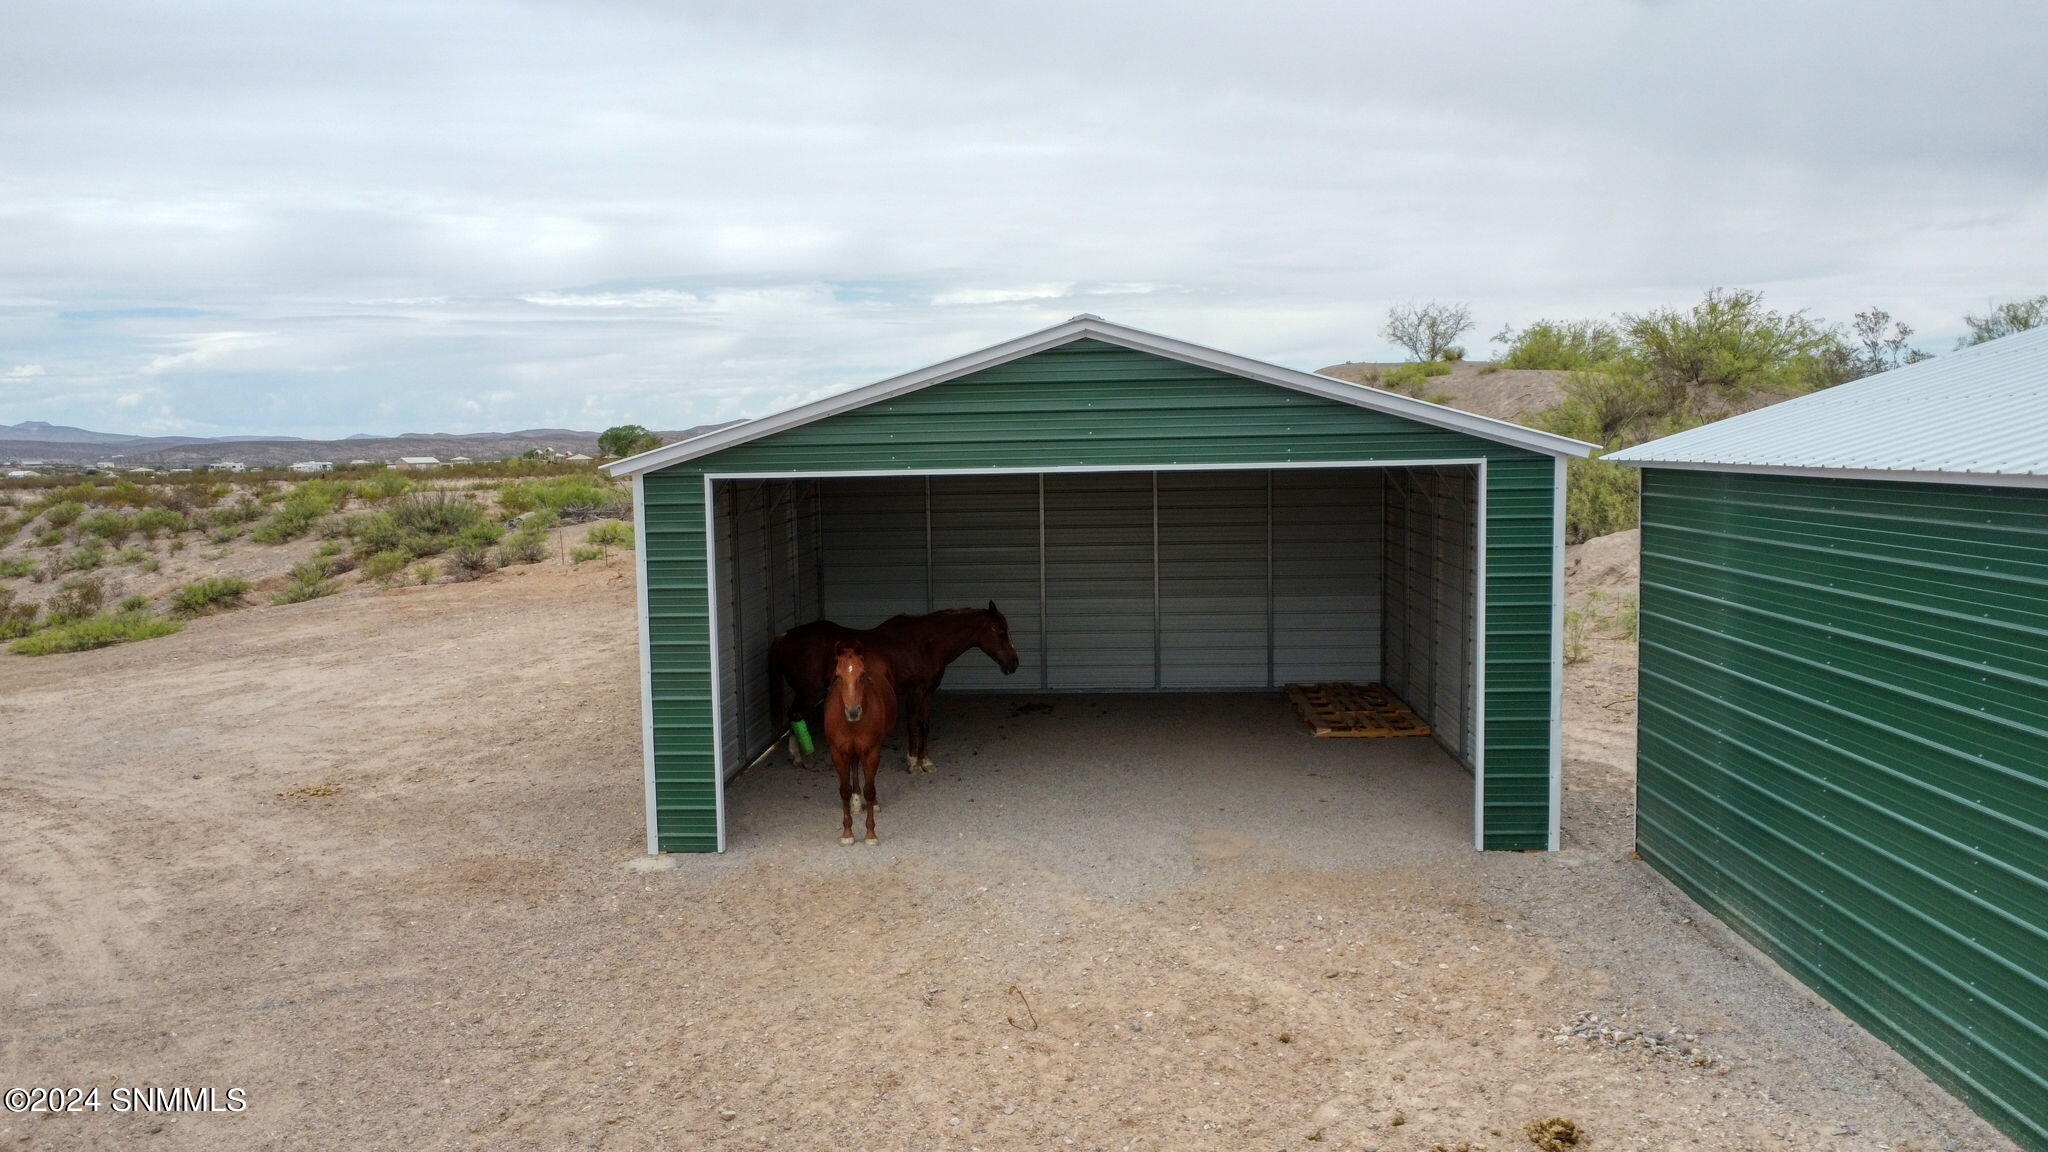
[1604,564]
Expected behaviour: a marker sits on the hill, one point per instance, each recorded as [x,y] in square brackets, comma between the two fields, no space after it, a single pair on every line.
[1480,388]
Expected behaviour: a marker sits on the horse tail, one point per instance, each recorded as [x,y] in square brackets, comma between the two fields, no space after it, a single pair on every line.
[776,716]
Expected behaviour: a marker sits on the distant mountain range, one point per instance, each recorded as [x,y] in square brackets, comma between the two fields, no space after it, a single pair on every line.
[56,443]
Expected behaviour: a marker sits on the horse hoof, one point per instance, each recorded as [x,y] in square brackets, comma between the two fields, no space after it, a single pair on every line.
[873,840]
[929,766]
[846,839]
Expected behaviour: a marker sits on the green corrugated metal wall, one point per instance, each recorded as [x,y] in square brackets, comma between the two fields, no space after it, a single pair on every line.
[1844,751]
[1089,403]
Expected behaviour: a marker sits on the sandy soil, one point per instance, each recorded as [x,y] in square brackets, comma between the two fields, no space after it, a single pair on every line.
[1503,393]
[375,860]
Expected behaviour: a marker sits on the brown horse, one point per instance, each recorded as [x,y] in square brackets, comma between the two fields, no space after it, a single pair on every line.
[919,648]
[860,712]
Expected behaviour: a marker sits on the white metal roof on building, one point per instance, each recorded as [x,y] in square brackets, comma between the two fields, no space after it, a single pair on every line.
[1096,328]
[1977,416]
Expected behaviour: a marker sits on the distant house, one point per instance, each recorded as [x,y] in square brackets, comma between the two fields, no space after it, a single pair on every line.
[230,466]
[144,471]
[359,463]
[107,466]
[417,462]
[22,474]
[460,460]
[314,466]
[575,457]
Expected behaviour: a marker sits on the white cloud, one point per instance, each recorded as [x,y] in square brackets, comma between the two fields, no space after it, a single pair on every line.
[24,371]
[1002,295]
[645,298]
[201,349]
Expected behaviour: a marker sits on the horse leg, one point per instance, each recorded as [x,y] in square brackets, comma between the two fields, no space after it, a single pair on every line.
[923,709]
[871,762]
[911,747]
[840,761]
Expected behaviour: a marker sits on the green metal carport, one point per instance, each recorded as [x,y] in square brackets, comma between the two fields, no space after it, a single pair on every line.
[1843,733]
[1152,515]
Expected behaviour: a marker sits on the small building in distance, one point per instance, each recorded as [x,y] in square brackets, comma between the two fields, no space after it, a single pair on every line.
[228,466]
[22,474]
[416,462]
[314,466]
[577,457]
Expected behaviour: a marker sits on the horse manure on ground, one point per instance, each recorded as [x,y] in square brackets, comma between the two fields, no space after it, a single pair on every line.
[1557,1134]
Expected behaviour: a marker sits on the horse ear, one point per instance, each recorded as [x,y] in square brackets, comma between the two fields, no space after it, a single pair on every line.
[992,609]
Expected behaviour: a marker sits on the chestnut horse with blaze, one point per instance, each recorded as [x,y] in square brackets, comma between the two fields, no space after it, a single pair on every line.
[860,712]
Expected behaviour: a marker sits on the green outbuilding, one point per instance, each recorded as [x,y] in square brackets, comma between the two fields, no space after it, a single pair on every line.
[1152,516]
[1843,735]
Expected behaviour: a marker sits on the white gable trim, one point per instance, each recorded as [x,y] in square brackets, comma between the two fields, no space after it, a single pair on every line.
[1091,327]
[1896,475]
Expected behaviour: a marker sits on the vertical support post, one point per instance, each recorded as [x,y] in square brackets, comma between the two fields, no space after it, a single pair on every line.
[1557,517]
[641,547]
[1272,640]
[929,604]
[1158,639]
[738,625]
[768,565]
[818,539]
[1044,630]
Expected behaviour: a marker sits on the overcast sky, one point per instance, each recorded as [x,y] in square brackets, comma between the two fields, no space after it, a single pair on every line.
[464,215]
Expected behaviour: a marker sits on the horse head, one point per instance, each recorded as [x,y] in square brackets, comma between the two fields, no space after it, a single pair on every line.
[994,639]
[850,678]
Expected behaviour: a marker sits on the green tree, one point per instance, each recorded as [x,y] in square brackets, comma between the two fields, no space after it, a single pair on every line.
[1666,370]
[1428,331]
[2006,319]
[627,440]
[1729,345]
[1560,345]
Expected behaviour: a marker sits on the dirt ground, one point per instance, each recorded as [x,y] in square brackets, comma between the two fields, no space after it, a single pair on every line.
[376,861]
[1503,393]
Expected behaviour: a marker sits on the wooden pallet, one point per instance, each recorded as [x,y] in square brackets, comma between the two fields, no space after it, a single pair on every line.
[1356,710]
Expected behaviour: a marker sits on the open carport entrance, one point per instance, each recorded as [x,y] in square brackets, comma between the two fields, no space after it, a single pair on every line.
[1152,580]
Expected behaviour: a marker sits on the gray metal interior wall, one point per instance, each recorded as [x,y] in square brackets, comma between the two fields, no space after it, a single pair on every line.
[768,536]
[1431,553]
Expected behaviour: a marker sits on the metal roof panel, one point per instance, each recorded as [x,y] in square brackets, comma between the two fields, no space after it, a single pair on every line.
[1981,412]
